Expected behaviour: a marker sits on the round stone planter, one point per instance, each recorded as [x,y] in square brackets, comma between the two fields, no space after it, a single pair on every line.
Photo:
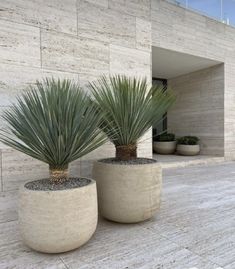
[59,220]
[166,147]
[128,193]
[188,150]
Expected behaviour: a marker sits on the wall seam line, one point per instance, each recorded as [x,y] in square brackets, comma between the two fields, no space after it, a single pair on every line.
[1,170]
[40,45]
[45,28]
[77,16]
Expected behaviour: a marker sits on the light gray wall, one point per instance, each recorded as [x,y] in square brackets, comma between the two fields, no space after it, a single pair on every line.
[181,30]
[68,39]
[199,108]
[81,39]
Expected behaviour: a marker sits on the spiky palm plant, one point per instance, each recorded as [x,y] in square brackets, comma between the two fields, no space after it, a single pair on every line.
[55,123]
[129,108]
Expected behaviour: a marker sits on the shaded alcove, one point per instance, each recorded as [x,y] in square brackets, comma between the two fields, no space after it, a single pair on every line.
[199,86]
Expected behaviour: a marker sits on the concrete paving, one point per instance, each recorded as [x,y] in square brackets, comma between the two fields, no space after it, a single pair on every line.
[195,228]
[174,160]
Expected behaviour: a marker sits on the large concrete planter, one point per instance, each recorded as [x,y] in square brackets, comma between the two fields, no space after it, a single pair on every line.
[128,193]
[188,150]
[166,147]
[58,221]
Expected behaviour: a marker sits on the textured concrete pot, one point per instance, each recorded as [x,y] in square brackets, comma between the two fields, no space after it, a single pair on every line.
[188,150]
[167,147]
[128,193]
[58,221]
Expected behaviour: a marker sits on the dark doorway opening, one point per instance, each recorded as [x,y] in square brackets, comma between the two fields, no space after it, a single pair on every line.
[161,127]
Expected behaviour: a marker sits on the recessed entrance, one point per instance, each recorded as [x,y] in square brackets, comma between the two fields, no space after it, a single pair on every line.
[199,86]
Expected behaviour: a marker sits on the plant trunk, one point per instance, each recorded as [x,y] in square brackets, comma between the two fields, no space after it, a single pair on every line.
[126,152]
[58,174]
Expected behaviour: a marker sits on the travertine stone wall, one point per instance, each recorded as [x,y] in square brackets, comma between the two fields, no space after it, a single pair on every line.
[181,30]
[74,39]
[199,108]
[82,39]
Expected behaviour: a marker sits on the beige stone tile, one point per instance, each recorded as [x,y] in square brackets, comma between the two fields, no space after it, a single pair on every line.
[145,145]
[105,25]
[143,34]
[19,168]
[230,266]
[74,54]
[105,151]
[85,78]
[137,8]
[199,108]
[75,168]
[0,163]
[59,74]
[15,79]
[58,15]
[14,254]
[113,252]
[174,161]
[86,168]
[211,247]
[19,44]
[131,62]
[9,233]
[8,206]
[117,253]
[103,3]
[28,260]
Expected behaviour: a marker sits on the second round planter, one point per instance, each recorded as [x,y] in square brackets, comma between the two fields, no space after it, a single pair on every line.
[188,150]
[164,147]
[128,193]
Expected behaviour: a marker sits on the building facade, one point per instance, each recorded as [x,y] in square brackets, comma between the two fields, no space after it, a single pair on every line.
[83,39]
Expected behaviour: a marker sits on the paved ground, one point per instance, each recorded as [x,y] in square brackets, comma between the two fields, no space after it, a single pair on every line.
[175,161]
[194,229]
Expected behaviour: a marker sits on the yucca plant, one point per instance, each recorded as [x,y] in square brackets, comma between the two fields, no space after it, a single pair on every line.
[53,122]
[129,109]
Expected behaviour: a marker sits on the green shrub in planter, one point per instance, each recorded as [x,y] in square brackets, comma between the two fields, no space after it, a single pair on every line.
[188,140]
[188,145]
[165,144]
[166,137]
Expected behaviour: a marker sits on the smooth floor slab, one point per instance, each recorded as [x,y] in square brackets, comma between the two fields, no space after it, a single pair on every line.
[176,161]
[8,206]
[195,228]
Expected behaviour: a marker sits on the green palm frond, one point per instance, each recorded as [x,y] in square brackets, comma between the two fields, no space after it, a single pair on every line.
[53,122]
[129,107]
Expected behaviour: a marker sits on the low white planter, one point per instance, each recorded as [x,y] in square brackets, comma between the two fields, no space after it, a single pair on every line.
[188,150]
[59,220]
[128,193]
[166,147]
